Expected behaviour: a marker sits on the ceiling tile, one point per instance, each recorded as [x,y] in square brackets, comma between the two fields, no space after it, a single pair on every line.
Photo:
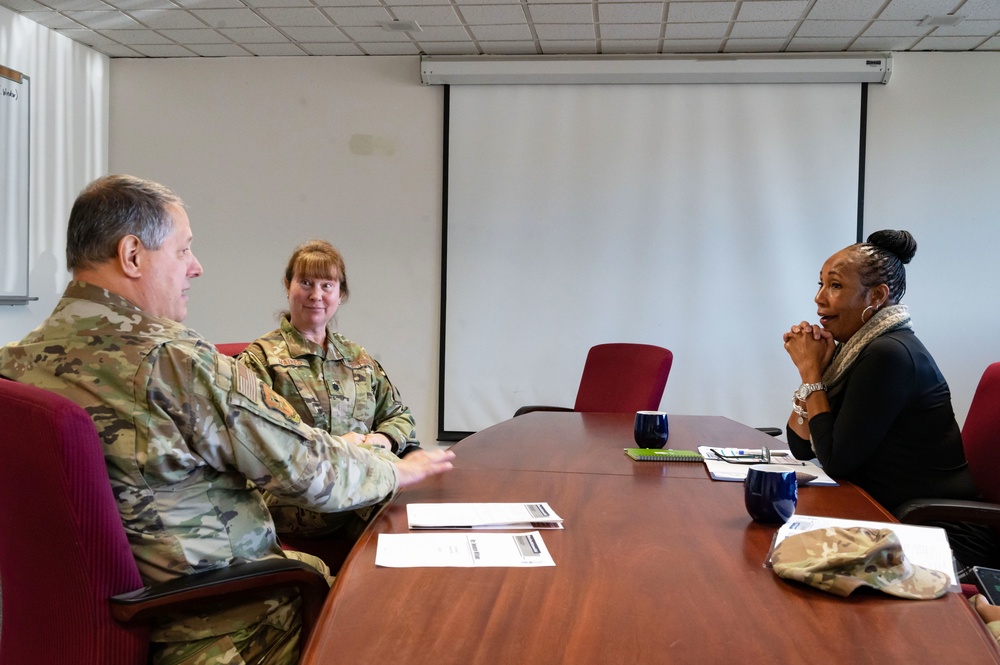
[106,20]
[970,28]
[317,35]
[203,36]
[806,44]
[166,18]
[219,50]
[229,18]
[992,44]
[570,13]
[130,5]
[772,10]
[896,29]
[979,9]
[631,12]
[449,48]
[933,43]
[629,46]
[88,37]
[212,4]
[700,12]
[302,18]
[133,37]
[24,6]
[369,34]
[391,48]
[630,31]
[325,4]
[286,49]
[512,48]
[692,45]
[116,51]
[66,5]
[763,29]
[164,51]
[696,30]
[445,33]
[884,43]
[369,16]
[486,15]
[845,10]
[754,45]
[560,47]
[53,20]
[830,28]
[254,35]
[428,15]
[344,48]
[277,3]
[565,31]
[916,10]
[500,33]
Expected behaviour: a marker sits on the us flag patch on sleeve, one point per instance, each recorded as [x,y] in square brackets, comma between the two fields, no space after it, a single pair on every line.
[247,384]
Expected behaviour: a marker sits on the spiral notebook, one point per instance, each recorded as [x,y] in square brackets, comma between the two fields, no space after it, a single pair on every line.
[665,455]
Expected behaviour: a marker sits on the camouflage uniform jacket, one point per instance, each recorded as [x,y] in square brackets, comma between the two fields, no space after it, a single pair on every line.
[338,388]
[184,429]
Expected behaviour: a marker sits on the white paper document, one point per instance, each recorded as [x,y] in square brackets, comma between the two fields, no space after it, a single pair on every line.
[462,550]
[721,470]
[925,546]
[536,515]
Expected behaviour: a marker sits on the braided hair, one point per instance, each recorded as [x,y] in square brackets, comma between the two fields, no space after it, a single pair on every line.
[882,259]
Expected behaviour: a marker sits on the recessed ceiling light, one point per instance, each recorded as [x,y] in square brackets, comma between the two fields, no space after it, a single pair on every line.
[400,26]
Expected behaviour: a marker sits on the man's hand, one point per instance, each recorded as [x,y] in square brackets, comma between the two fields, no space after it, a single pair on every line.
[422,464]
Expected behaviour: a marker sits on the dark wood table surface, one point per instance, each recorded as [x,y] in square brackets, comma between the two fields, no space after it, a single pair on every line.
[657,564]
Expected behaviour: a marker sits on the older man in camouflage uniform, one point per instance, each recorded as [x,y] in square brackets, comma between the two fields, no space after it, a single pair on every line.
[188,435]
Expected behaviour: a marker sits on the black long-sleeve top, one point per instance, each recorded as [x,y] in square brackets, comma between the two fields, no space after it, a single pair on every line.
[891,428]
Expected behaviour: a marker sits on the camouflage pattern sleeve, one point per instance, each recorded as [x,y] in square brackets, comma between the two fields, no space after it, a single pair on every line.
[234,421]
[392,417]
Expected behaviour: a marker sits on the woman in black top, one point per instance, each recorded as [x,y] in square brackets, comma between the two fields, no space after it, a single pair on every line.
[873,406]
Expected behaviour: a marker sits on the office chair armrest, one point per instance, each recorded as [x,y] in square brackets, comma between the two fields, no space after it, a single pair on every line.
[771,431]
[193,591]
[922,511]
[528,409]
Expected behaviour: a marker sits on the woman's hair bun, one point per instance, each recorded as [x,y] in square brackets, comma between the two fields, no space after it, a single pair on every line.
[900,243]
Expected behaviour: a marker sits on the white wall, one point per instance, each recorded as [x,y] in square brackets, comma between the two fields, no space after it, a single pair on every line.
[270,152]
[69,148]
[934,169]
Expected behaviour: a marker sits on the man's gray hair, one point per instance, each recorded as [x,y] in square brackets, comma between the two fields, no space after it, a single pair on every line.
[111,208]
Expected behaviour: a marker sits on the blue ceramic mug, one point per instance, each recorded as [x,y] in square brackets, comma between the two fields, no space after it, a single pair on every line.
[770,492]
[651,429]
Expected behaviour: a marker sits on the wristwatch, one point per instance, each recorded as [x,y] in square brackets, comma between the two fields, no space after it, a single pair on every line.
[806,389]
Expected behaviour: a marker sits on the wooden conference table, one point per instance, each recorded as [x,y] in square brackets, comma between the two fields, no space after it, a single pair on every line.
[657,564]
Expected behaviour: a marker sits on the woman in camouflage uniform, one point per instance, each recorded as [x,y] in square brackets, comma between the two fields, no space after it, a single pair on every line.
[332,383]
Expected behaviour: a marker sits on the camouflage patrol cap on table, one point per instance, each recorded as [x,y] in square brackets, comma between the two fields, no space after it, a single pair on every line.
[839,560]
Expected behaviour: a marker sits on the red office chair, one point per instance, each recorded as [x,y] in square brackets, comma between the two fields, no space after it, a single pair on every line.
[981,441]
[619,378]
[232,348]
[65,563]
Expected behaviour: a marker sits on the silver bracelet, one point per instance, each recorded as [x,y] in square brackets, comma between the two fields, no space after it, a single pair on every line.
[802,413]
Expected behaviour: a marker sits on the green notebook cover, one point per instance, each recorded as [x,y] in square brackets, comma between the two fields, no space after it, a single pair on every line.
[665,455]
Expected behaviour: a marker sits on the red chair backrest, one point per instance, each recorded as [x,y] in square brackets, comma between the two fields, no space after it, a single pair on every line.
[981,435]
[623,378]
[232,348]
[63,549]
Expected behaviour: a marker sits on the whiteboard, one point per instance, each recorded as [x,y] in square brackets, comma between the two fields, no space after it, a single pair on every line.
[690,217]
[14,186]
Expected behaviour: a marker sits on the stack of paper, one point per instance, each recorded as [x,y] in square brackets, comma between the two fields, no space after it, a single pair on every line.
[721,470]
[538,515]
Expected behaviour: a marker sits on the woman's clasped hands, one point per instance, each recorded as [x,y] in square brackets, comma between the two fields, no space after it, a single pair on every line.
[810,346]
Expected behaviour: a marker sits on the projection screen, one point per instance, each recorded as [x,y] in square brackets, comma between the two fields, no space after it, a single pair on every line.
[694,217]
